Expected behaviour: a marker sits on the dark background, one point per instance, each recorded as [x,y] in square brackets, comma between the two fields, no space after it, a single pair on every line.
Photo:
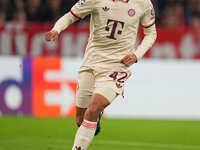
[170,13]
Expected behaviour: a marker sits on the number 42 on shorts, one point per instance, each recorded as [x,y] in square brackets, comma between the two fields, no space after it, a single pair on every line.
[120,78]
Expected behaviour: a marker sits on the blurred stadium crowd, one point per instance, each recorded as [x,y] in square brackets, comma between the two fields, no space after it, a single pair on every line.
[170,13]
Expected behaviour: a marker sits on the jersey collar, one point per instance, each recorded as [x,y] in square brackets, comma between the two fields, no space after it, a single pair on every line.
[126,1]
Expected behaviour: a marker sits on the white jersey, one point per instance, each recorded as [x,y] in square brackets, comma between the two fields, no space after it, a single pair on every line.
[113,29]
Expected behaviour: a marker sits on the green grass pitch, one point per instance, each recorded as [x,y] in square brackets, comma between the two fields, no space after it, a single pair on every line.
[27,133]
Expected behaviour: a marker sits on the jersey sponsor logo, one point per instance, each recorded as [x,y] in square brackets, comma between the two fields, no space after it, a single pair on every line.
[114,24]
[131,12]
[106,8]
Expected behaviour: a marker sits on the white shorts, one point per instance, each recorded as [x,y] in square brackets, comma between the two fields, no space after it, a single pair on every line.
[107,83]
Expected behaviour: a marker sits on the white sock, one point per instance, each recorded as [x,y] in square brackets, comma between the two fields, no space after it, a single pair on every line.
[84,135]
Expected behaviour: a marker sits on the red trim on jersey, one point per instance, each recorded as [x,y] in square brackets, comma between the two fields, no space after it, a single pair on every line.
[148,25]
[123,0]
[75,15]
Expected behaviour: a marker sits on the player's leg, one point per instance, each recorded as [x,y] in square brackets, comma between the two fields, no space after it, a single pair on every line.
[110,80]
[80,112]
[97,105]
[80,115]
[99,101]
[84,94]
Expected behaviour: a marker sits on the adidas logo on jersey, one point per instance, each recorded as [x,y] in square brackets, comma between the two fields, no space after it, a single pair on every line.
[106,8]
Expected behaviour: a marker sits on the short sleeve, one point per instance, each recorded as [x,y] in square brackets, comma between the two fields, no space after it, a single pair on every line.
[82,8]
[148,19]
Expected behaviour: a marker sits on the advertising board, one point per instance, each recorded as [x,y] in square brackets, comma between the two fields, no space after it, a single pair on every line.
[29,40]
[46,87]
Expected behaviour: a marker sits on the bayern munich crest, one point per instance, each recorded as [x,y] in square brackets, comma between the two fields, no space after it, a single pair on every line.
[131,12]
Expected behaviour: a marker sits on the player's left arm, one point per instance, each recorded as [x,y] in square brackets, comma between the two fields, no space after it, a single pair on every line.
[149,27]
[148,41]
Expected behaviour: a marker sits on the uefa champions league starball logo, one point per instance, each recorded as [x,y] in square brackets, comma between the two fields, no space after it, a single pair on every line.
[81,2]
[131,12]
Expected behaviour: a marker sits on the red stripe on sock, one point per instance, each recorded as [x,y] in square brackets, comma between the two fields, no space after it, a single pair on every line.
[89,125]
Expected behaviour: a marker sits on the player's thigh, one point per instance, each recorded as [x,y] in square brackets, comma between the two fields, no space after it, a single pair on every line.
[85,89]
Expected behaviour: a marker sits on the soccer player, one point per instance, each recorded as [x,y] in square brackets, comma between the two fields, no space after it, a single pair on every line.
[110,52]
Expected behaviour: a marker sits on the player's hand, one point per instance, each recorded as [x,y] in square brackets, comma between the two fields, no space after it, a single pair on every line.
[51,36]
[129,59]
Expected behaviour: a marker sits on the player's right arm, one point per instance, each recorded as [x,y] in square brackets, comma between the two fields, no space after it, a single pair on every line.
[81,9]
[59,26]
